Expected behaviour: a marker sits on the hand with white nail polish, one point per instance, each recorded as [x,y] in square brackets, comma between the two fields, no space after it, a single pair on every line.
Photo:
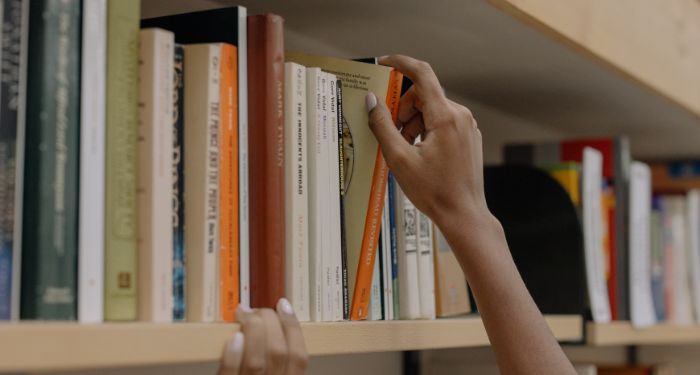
[270,342]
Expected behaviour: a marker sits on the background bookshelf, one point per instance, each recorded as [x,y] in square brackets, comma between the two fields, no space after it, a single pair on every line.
[69,346]
[623,333]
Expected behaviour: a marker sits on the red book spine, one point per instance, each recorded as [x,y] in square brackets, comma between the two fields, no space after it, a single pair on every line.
[266,158]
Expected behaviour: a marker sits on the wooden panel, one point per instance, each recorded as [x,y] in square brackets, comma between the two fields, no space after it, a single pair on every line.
[622,333]
[62,346]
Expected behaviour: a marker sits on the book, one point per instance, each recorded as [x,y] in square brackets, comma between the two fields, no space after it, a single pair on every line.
[451,295]
[179,259]
[325,222]
[391,188]
[375,302]
[224,25]
[13,64]
[641,301]
[229,272]
[92,162]
[426,277]
[658,262]
[333,202]
[202,94]
[296,191]
[677,289]
[365,169]
[616,161]
[569,176]
[387,280]
[315,197]
[121,170]
[407,238]
[266,158]
[592,213]
[155,177]
[341,176]
[675,176]
[50,217]
[692,222]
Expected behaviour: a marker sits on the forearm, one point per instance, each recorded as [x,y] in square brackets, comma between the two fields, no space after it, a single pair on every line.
[519,335]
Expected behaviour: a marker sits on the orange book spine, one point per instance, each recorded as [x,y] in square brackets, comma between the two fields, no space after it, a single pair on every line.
[228,184]
[370,236]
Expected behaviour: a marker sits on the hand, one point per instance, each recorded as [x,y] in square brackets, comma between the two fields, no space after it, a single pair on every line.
[270,343]
[443,174]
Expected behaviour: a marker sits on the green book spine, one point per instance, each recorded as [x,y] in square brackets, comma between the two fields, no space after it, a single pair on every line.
[50,220]
[121,159]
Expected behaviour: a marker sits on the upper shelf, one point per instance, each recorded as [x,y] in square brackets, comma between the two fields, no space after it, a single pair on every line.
[69,346]
[584,68]
[622,333]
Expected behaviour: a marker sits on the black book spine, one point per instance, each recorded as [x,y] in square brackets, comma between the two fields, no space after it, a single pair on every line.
[341,161]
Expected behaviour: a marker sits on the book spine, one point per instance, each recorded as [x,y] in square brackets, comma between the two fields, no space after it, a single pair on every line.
[228,186]
[391,188]
[341,176]
[14,16]
[622,252]
[641,301]
[92,163]
[408,256]
[155,150]
[121,164]
[360,299]
[178,123]
[313,105]
[202,72]
[297,225]
[657,263]
[375,302]
[426,278]
[692,222]
[243,159]
[50,242]
[266,163]
[325,218]
[334,200]
[387,287]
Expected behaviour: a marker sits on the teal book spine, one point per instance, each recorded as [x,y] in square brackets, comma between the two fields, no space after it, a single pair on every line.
[50,220]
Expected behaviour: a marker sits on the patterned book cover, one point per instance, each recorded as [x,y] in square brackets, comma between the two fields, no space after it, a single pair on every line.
[179,298]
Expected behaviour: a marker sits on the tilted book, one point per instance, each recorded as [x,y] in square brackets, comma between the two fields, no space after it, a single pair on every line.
[365,169]
[15,19]
[50,227]
[202,93]
[91,232]
[155,177]
[121,171]
[296,191]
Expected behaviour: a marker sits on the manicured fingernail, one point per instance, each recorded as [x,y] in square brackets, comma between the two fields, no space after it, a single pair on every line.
[371,101]
[234,351]
[285,307]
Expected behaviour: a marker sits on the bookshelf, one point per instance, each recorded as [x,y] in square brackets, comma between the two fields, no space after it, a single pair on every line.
[623,333]
[70,346]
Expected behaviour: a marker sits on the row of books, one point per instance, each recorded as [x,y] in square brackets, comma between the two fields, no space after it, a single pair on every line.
[641,227]
[174,168]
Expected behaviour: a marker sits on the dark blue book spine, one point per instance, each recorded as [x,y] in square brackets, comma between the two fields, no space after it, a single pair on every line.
[394,249]
[10,159]
[179,302]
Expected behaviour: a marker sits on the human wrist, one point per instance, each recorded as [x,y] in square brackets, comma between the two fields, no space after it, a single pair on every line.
[468,228]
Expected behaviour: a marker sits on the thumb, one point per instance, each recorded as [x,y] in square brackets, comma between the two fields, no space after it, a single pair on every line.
[393,144]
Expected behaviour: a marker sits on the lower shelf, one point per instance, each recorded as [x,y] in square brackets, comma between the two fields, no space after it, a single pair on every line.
[623,333]
[54,346]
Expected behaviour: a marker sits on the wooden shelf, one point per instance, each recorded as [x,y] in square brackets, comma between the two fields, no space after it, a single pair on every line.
[622,333]
[53,346]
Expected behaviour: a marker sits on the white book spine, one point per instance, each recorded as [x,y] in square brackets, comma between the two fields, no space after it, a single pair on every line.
[375,301]
[202,183]
[642,307]
[426,277]
[296,200]
[155,178]
[313,105]
[675,212]
[92,162]
[387,282]
[592,181]
[693,238]
[407,236]
[334,201]
[324,187]
[243,192]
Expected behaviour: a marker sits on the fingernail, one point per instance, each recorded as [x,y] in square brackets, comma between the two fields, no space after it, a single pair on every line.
[371,101]
[234,350]
[285,307]
[244,309]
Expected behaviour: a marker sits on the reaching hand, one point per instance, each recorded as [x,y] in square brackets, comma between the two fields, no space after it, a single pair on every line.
[443,174]
[270,342]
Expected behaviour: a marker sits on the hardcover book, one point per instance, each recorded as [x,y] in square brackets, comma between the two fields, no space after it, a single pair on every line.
[14,15]
[121,159]
[50,228]
[365,170]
